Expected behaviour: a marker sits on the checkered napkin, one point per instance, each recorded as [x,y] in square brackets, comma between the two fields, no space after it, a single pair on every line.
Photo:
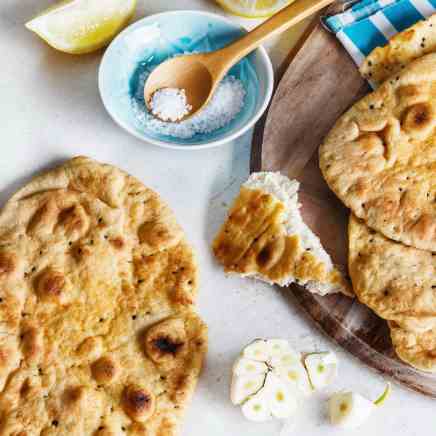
[370,23]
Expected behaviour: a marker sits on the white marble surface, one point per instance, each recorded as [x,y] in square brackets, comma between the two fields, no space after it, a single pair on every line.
[50,110]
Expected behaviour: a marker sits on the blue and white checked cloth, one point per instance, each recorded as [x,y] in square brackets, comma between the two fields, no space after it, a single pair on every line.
[370,23]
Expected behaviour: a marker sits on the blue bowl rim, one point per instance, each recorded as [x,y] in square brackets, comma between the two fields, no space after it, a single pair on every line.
[201,145]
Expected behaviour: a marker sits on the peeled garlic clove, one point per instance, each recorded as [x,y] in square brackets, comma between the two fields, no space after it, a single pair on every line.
[296,377]
[322,368]
[244,366]
[257,407]
[257,350]
[349,410]
[245,385]
[282,402]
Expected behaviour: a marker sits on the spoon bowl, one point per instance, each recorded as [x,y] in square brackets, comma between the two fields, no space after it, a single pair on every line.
[199,74]
[188,72]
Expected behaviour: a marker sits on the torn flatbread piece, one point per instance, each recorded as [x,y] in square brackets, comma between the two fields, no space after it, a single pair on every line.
[266,238]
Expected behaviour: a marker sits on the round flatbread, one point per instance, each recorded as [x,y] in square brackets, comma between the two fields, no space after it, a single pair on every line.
[396,281]
[380,157]
[98,333]
[416,349]
[401,49]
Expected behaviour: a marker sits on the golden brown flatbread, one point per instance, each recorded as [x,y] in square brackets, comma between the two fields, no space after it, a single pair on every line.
[417,349]
[380,157]
[403,48]
[396,281]
[255,241]
[98,330]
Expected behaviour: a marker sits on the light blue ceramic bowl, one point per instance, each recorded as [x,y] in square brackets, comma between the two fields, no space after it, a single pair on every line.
[148,42]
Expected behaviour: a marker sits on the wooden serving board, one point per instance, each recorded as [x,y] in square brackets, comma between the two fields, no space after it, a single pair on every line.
[320,83]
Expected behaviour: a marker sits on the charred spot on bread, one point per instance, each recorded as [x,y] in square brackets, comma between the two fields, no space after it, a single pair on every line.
[104,370]
[117,242]
[167,345]
[50,283]
[166,341]
[138,403]
[8,263]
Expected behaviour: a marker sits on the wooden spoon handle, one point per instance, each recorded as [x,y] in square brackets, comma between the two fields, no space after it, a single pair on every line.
[287,17]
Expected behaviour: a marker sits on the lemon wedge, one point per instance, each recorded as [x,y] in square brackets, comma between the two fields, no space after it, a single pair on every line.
[253,8]
[82,26]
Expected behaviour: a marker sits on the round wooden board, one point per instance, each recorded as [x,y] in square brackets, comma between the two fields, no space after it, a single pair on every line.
[321,83]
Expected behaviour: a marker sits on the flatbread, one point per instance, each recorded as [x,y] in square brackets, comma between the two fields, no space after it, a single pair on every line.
[396,281]
[255,241]
[410,270]
[416,349]
[98,330]
[403,48]
[380,157]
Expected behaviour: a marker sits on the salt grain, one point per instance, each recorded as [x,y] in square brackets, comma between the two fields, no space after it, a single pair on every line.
[226,103]
[170,104]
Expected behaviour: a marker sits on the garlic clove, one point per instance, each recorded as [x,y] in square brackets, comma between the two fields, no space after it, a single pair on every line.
[244,366]
[349,410]
[245,385]
[322,368]
[277,347]
[281,399]
[257,350]
[296,377]
[287,358]
[257,407]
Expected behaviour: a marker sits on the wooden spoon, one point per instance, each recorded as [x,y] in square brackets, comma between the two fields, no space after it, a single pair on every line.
[200,74]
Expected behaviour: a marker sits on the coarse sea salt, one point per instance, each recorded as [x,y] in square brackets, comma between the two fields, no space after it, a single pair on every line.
[224,106]
[170,104]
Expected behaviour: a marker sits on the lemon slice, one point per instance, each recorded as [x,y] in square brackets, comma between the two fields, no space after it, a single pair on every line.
[82,26]
[253,8]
